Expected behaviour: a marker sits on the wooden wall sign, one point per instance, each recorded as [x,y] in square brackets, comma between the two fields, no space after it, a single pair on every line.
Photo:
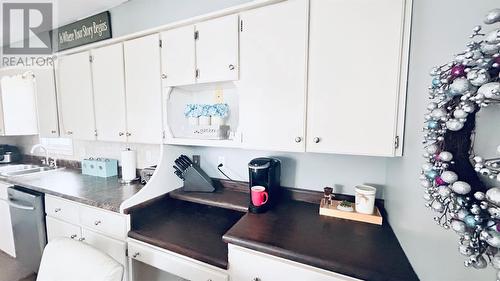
[89,30]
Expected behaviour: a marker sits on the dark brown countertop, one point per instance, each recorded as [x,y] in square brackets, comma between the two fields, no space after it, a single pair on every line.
[104,193]
[187,228]
[294,230]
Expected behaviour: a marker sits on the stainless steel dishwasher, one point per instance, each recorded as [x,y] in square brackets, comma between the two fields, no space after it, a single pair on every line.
[28,224]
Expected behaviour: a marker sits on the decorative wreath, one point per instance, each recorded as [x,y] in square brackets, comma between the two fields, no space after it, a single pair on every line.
[451,174]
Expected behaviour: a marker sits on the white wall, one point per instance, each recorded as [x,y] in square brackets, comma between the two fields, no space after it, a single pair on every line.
[440,29]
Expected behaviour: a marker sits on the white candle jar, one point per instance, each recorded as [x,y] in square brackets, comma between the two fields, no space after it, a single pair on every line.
[217,121]
[205,120]
[365,199]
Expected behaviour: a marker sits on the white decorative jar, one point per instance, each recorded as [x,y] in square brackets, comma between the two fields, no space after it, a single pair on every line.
[217,121]
[204,121]
[365,199]
[193,121]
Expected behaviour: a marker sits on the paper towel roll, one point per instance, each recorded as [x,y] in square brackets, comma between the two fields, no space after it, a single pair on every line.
[129,165]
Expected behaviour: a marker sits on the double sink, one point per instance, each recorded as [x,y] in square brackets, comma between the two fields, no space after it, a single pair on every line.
[22,170]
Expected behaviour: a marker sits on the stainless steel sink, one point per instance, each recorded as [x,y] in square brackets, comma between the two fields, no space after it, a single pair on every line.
[21,170]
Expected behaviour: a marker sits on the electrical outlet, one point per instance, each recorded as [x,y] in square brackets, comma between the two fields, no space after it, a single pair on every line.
[221,160]
[196,160]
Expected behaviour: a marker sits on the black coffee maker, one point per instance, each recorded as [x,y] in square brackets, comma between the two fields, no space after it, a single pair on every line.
[265,172]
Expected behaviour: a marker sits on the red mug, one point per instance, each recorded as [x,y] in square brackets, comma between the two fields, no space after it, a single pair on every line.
[259,195]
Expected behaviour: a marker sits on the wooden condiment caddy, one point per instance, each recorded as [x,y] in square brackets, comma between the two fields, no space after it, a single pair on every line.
[331,210]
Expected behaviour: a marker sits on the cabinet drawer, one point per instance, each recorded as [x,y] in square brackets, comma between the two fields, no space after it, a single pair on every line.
[3,190]
[176,264]
[61,209]
[265,267]
[57,228]
[116,249]
[106,222]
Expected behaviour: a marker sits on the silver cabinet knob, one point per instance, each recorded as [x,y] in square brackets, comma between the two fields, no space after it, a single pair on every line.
[69,132]
[135,255]
[298,139]
[97,222]
[73,236]
[256,279]
[231,67]
[164,76]
[81,239]
[121,134]
[57,210]
[53,131]
[128,134]
[316,140]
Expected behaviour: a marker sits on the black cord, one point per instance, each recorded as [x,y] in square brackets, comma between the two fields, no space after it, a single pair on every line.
[218,168]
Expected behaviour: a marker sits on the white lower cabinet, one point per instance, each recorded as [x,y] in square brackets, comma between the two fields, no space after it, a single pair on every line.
[173,263]
[6,235]
[104,230]
[245,264]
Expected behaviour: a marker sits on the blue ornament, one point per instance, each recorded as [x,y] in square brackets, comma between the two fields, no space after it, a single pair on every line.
[436,82]
[432,124]
[470,221]
[432,174]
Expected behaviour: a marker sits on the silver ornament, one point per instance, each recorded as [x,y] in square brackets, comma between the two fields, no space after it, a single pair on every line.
[427,167]
[438,113]
[479,195]
[445,156]
[427,197]
[460,113]
[480,263]
[459,86]
[444,191]
[432,148]
[475,209]
[449,177]
[465,250]
[458,226]
[490,90]
[493,238]
[454,125]
[493,195]
[432,106]
[492,16]
[489,49]
[461,187]
[478,77]
[493,37]
[437,206]
[462,213]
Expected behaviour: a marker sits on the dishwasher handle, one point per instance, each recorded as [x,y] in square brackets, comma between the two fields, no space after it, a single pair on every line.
[12,203]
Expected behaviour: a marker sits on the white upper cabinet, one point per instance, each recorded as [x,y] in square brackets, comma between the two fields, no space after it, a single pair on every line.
[272,83]
[19,105]
[217,49]
[76,98]
[357,76]
[109,93]
[178,56]
[143,89]
[48,122]
[201,53]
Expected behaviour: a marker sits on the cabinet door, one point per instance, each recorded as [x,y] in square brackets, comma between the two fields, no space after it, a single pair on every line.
[116,249]
[75,92]
[354,89]
[272,83]
[217,49]
[178,56]
[57,229]
[143,89]
[48,122]
[108,78]
[6,235]
[19,105]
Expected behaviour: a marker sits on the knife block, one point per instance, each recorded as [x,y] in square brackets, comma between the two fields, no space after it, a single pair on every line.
[196,180]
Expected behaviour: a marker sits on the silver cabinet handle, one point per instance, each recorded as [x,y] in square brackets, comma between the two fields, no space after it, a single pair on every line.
[12,203]
[256,279]
[69,132]
[298,139]
[97,223]
[57,210]
[73,236]
[316,140]
[231,67]
[164,76]
[53,131]
[81,239]
[121,134]
[135,255]
[129,134]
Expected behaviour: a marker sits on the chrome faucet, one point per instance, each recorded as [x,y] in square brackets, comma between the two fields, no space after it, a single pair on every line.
[42,147]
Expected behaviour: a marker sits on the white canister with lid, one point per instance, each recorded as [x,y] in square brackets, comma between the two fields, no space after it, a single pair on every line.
[365,199]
